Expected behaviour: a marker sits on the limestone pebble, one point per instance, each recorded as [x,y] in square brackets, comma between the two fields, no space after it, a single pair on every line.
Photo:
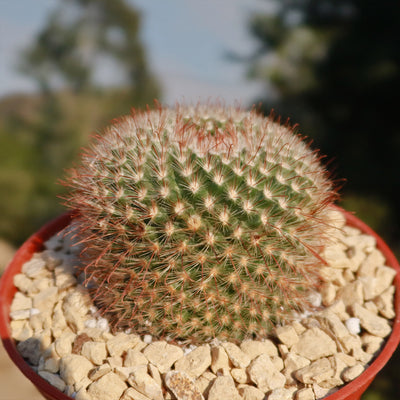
[182,386]
[263,373]
[108,387]
[140,380]
[162,355]
[223,388]
[74,368]
[53,379]
[196,362]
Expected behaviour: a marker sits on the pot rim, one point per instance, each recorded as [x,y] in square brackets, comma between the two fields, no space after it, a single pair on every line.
[353,389]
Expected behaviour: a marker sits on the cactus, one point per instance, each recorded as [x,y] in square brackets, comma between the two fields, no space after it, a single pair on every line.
[201,222]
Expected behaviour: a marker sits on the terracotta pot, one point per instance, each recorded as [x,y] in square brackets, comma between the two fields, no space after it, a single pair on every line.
[352,390]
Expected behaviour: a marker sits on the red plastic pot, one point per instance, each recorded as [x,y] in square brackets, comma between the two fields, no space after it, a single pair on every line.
[351,391]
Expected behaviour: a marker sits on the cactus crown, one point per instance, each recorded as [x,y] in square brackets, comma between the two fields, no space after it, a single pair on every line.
[200,222]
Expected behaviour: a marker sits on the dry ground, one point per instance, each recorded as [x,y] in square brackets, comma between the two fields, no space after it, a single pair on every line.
[13,384]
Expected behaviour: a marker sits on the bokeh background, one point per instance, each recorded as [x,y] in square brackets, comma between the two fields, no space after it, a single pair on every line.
[68,67]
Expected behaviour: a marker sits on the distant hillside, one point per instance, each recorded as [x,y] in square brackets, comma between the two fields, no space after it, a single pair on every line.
[94,109]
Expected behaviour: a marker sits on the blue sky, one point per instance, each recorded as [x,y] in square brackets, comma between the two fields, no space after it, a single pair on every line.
[186,41]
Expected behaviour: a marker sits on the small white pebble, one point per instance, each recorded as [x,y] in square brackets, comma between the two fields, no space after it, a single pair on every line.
[102,324]
[189,349]
[353,325]
[90,323]
[93,309]
[147,339]
[34,311]
[19,315]
[315,299]
[215,342]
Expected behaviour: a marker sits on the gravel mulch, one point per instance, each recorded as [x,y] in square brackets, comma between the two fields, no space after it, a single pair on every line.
[61,335]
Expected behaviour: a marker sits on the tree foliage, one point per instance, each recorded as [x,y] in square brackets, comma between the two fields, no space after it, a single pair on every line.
[41,134]
[333,66]
[83,38]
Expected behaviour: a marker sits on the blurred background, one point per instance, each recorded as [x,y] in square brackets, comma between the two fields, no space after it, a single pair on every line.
[68,67]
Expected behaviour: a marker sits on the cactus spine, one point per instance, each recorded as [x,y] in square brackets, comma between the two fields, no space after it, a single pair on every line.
[201,222]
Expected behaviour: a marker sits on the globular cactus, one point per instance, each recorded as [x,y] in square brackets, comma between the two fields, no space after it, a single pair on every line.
[201,222]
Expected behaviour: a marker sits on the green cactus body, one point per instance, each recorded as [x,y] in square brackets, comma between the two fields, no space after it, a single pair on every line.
[201,222]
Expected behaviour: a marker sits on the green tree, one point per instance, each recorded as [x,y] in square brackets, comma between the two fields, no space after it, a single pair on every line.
[80,38]
[41,134]
[333,66]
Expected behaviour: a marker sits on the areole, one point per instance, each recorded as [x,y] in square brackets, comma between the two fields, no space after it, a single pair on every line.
[352,390]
